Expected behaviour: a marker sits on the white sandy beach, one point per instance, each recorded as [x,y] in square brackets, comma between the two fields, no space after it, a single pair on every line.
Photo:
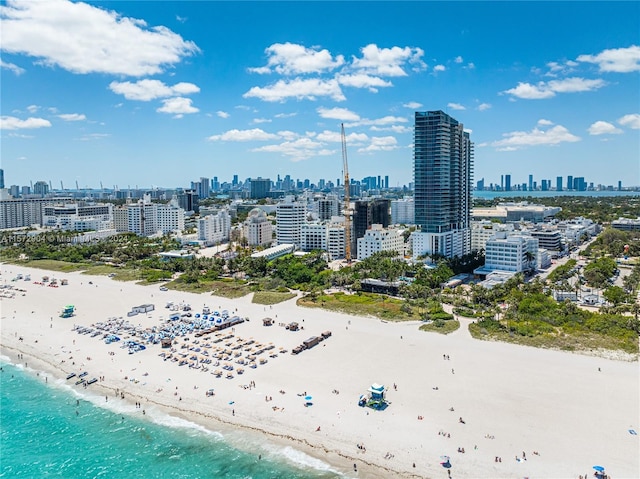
[512,399]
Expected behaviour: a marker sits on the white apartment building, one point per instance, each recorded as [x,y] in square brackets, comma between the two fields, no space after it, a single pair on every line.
[508,253]
[257,228]
[403,212]
[121,219]
[378,239]
[78,217]
[215,228]
[145,218]
[314,236]
[170,217]
[290,216]
[449,244]
[336,238]
[20,212]
[482,230]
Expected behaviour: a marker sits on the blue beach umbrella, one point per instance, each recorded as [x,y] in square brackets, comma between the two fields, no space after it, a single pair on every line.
[599,468]
[308,398]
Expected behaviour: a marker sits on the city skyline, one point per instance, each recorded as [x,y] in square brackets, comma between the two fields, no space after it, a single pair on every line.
[205,95]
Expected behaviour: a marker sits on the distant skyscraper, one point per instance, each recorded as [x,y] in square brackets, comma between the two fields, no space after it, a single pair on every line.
[507,182]
[480,185]
[530,182]
[41,188]
[386,182]
[569,182]
[202,187]
[1,178]
[260,187]
[502,182]
[443,155]
[559,183]
[619,184]
[235,180]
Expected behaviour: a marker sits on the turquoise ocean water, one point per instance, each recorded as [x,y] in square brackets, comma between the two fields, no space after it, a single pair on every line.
[41,436]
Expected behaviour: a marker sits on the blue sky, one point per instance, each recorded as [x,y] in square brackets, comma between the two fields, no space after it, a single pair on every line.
[161,93]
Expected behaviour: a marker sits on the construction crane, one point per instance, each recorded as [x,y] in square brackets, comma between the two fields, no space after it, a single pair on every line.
[347,205]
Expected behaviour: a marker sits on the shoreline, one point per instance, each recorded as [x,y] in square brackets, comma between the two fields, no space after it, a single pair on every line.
[490,392]
[212,424]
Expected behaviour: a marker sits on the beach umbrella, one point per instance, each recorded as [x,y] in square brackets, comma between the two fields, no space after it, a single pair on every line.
[308,398]
[599,468]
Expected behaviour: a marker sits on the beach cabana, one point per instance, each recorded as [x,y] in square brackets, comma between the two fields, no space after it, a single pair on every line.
[267,322]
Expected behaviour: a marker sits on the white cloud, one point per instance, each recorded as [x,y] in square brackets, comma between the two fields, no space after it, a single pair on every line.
[543,122]
[393,128]
[33,108]
[298,88]
[458,59]
[20,135]
[556,68]
[82,38]
[386,120]
[12,67]
[484,106]
[255,134]
[413,105]
[470,66]
[72,117]
[621,60]
[549,89]
[632,121]
[285,115]
[518,139]
[530,92]
[389,61]
[288,135]
[362,80]
[575,84]
[603,128]
[177,106]
[13,123]
[298,150]
[292,59]
[338,114]
[336,137]
[456,106]
[146,90]
[261,120]
[94,136]
[439,68]
[380,143]
[222,114]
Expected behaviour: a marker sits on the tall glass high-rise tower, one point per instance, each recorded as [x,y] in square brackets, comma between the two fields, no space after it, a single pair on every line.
[443,157]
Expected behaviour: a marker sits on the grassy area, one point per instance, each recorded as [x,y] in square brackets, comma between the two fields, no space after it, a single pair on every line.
[226,289]
[271,297]
[442,327]
[53,265]
[121,274]
[363,304]
[557,339]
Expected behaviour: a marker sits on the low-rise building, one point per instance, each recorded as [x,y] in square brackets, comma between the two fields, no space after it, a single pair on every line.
[257,228]
[378,239]
[214,229]
[509,253]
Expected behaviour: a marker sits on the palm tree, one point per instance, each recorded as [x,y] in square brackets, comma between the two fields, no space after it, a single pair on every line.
[530,258]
